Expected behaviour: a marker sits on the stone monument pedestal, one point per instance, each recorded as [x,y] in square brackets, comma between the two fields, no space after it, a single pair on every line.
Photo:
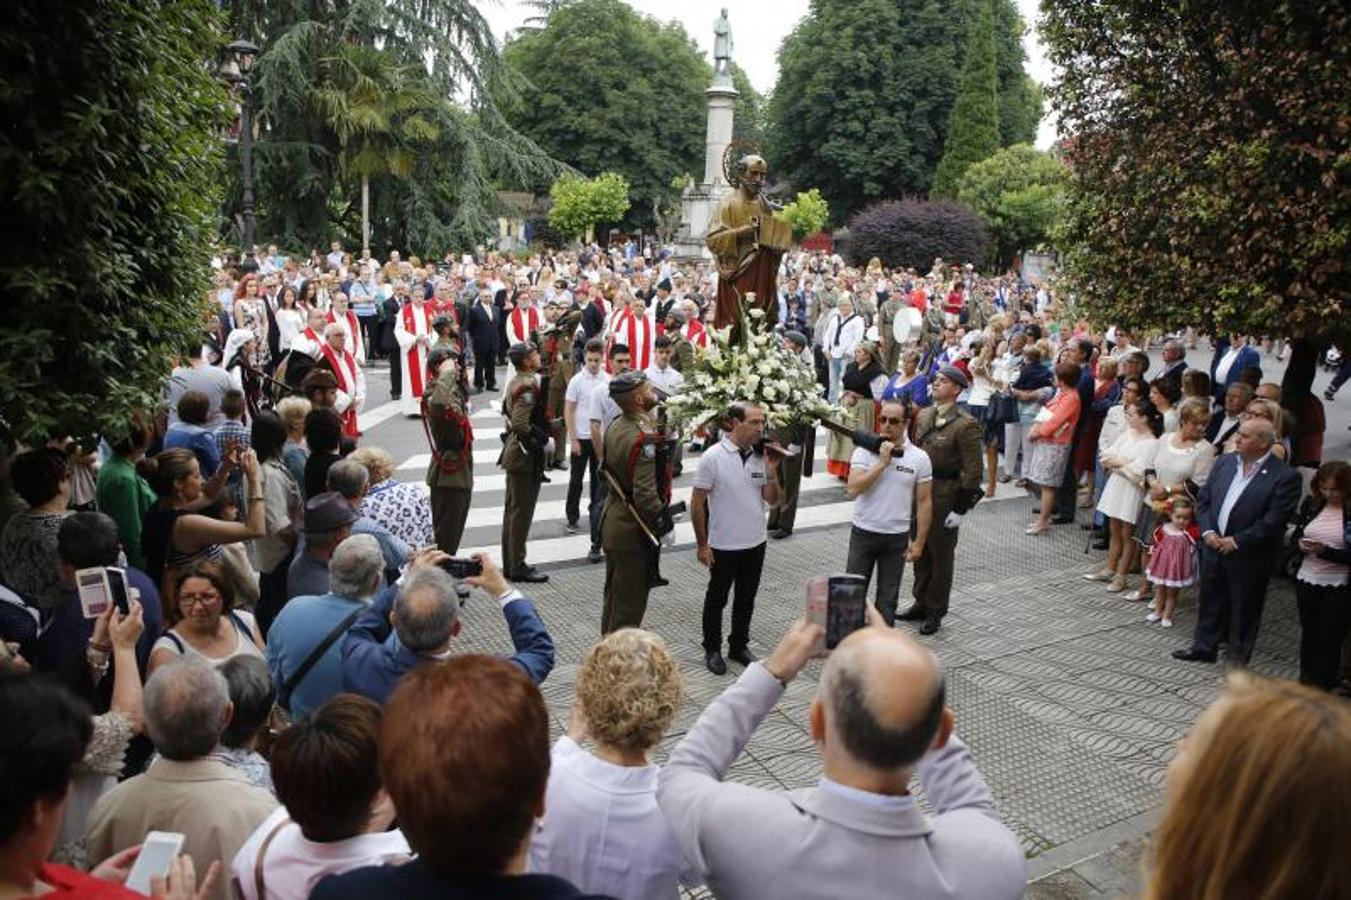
[700,201]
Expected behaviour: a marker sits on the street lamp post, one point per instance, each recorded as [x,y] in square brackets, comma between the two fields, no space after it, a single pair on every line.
[243,54]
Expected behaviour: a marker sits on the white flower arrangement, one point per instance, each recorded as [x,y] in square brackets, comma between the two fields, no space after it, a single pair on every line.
[755,367]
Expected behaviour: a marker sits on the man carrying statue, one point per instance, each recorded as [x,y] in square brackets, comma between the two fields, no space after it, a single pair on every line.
[747,241]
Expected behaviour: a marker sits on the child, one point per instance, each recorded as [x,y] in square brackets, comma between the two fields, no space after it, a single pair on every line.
[1172,565]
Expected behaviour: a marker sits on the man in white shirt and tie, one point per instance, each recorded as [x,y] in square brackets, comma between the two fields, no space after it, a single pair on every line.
[844,329]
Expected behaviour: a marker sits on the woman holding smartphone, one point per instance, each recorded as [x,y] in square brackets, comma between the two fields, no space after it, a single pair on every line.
[1322,592]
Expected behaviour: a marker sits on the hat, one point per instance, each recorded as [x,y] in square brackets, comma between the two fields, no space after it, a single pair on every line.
[519,352]
[956,376]
[627,381]
[677,315]
[328,511]
[796,337]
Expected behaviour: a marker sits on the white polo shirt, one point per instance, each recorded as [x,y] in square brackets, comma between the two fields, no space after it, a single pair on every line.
[581,388]
[736,507]
[884,508]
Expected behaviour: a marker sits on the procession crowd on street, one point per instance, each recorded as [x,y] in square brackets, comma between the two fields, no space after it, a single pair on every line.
[232,621]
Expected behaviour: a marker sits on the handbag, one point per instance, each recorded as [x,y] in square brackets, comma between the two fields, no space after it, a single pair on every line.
[1002,409]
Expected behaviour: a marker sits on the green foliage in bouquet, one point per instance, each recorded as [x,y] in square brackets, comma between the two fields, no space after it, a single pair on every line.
[755,367]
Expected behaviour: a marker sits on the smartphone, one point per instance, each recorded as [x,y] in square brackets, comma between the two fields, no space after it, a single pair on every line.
[116,580]
[158,851]
[838,603]
[459,567]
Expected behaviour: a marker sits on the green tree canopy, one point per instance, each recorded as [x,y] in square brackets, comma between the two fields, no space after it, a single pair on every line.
[866,89]
[579,204]
[1020,193]
[808,213]
[973,130]
[748,119]
[1208,149]
[111,141]
[443,192]
[609,89]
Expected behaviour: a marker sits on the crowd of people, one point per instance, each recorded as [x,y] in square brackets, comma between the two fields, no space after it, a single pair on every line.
[281,681]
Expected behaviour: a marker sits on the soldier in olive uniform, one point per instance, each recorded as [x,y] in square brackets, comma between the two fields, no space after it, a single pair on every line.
[523,459]
[639,463]
[450,475]
[886,333]
[953,441]
[564,367]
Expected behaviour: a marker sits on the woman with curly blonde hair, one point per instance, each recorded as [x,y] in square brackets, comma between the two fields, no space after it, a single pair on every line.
[1259,798]
[602,829]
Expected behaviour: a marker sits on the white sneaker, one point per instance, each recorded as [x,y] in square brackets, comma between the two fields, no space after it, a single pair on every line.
[1152,618]
[1167,623]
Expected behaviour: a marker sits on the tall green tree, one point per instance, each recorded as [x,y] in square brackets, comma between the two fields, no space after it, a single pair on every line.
[450,198]
[111,134]
[1020,193]
[748,118]
[580,204]
[1208,151]
[973,131]
[866,89]
[610,89]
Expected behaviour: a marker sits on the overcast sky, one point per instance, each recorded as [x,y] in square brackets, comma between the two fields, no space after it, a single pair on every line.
[758,27]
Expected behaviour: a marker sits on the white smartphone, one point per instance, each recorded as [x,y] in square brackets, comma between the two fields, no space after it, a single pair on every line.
[93,590]
[158,851]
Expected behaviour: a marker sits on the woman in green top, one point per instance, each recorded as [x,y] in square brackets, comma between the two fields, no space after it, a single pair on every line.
[123,494]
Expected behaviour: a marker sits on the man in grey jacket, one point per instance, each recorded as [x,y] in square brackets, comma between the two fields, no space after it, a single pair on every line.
[878,717]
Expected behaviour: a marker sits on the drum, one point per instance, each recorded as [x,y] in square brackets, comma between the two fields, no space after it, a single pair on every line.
[906,325]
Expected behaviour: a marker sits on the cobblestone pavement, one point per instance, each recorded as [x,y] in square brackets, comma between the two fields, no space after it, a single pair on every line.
[1068,700]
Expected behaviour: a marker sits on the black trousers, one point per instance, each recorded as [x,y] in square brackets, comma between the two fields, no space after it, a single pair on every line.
[485,368]
[739,568]
[1067,495]
[1231,600]
[395,376]
[886,552]
[271,593]
[371,327]
[1324,620]
[586,465]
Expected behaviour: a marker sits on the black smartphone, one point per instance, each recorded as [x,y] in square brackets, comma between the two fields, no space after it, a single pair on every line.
[459,567]
[117,589]
[839,604]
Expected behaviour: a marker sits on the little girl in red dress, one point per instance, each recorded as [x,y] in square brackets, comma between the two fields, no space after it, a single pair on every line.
[1172,565]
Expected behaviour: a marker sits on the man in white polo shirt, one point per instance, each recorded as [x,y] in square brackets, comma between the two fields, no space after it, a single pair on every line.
[731,487]
[885,486]
[584,455]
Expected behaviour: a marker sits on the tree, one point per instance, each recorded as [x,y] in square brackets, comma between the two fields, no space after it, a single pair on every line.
[1207,150]
[973,131]
[748,118]
[808,213]
[609,89]
[304,195]
[112,142]
[579,204]
[910,233]
[1020,193]
[866,89]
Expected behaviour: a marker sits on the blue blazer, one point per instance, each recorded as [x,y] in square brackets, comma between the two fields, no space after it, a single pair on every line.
[1248,356]
[373,659]
[1257,521]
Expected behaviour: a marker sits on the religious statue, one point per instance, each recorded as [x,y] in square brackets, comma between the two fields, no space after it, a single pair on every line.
[722,45]
[747,241]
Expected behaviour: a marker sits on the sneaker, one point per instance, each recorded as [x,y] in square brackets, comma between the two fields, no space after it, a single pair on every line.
[1152,617]
[1100,575]
[1167,623]
[572,528]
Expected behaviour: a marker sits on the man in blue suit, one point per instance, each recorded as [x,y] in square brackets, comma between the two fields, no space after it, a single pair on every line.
[398,633]
[1231,358]
[1241,513]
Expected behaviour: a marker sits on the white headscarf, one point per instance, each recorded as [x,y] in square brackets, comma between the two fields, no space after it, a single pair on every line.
[238,338]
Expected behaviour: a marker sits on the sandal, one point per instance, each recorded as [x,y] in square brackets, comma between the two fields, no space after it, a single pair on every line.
[1117,585]
[1139,594]
[1035,529]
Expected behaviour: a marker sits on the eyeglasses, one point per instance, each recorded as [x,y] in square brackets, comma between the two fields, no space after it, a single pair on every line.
[200,599]
[891,420]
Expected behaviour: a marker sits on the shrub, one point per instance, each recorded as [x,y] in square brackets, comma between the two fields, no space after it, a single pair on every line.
[910,233]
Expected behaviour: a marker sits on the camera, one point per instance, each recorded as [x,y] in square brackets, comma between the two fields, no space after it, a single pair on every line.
[459,567]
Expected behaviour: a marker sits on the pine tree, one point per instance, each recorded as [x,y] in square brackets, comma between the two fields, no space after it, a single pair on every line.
[973,131]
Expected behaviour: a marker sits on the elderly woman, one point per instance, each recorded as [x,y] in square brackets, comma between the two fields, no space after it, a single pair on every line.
[907,385]
[1256,798]
[861,386]
[400,507]
[204,622]
[28,559]
[1050,437]
[252,696]
[602,829]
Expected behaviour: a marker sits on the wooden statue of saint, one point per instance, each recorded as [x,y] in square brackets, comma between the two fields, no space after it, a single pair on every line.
[747,241]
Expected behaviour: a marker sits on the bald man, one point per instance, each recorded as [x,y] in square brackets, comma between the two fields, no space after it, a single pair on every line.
[879,718]
[1241,513]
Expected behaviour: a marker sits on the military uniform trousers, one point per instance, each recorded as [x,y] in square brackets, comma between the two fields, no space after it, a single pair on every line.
[933,569]
[450,510]
[628,582]
[522,493]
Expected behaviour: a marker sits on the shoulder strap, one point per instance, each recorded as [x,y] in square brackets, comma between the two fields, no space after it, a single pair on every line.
[260,890]
[289,686]
[242,627]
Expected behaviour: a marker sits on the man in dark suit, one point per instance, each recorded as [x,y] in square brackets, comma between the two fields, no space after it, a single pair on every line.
[1241,513]
[1174,362]
[1231,357]
[484,319]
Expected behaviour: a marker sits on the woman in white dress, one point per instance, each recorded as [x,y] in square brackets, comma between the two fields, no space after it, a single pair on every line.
[290,317]
[1181,466]
[1126,460]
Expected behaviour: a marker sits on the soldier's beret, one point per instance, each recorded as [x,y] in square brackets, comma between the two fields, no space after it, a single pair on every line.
[628,381]
[956,376]
[677,315]
[796,337]
[519,352]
